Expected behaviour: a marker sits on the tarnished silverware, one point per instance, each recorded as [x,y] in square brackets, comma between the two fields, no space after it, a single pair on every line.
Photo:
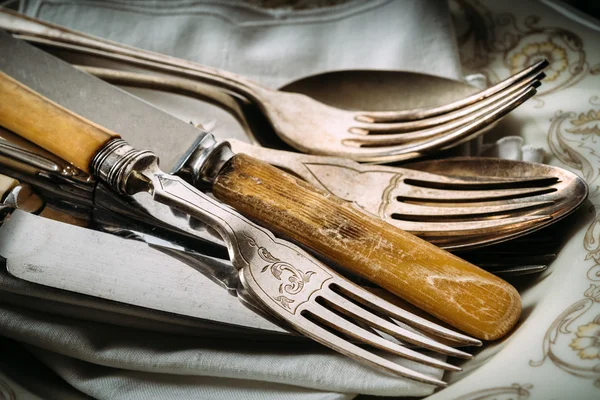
[83,197]
[316,128]
[500,200]
[280,276]
[394,259]
[467,219]
[306,124]
[262,260]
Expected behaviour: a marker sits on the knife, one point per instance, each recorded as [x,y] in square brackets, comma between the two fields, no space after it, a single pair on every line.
[58,255]
[442,284]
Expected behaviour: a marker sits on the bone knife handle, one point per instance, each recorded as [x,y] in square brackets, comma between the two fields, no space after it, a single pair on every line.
[438,282]
[49,125]
[6,185]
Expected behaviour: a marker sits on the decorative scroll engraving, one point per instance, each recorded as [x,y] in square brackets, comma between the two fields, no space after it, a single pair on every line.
[574,139]
[572,342]
[296,279]
[496,44]
[484,37]
[513,392]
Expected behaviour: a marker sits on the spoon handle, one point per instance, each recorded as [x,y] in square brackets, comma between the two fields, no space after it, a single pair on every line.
[61,38]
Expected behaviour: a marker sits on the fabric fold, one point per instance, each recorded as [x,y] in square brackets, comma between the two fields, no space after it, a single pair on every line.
[302,364]
[273,46]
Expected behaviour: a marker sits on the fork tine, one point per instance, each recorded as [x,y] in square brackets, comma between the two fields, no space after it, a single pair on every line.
[465,133]
[351,350]
[370,300]
[348,328]
[416,129]
[468,227]
[418,212]
[376,139]
[520,270]
[349,308]
[416,114]
[454,241]
[450,182]
[413,193]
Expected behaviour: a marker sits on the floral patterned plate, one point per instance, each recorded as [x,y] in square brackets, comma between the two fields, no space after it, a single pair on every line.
[555,352]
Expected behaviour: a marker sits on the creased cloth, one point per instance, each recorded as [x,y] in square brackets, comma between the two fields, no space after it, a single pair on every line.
[272,46]
[93,357]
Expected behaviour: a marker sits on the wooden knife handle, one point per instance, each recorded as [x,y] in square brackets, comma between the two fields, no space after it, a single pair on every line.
[50,125]
[432,279]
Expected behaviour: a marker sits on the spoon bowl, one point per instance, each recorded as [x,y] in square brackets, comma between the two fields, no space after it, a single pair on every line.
[376,90]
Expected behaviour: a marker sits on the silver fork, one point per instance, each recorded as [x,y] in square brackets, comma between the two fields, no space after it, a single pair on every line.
[332,131]
[452,212]
[304,123]
[314,300]
[316,128]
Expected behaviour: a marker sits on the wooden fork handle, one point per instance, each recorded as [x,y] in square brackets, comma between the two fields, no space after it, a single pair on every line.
[438,282]
[434,280]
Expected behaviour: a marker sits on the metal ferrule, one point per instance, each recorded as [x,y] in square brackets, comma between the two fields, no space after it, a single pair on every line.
[205,161]
[115,161]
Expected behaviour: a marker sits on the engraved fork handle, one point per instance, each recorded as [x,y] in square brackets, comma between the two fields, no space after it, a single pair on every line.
[253,250]
[233,228]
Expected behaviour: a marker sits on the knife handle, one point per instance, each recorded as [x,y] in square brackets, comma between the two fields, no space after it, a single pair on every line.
[33,203]
[6,185]
[432,279]
[49,125]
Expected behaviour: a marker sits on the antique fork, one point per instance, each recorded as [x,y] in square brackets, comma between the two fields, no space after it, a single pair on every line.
[280,276]
[461,223]
[325,131]
[306,124]
[455,213]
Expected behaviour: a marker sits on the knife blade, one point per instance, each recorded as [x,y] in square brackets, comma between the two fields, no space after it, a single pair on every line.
[16,198]
[126,271]
[103,104]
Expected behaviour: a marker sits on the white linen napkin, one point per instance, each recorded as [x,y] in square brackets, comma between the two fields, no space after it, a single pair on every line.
[273,46]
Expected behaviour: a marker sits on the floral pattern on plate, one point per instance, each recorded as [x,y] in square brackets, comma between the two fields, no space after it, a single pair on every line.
[557,345]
